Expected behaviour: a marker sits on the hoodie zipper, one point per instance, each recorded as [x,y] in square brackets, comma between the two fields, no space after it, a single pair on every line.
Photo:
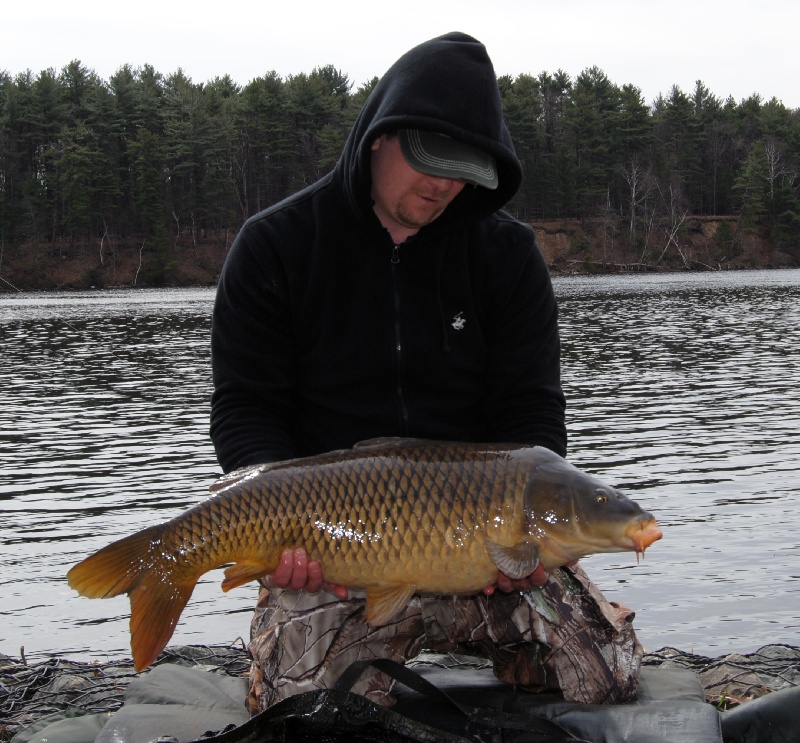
[398,342]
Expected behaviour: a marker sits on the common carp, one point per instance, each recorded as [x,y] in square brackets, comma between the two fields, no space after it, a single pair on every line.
[392,516]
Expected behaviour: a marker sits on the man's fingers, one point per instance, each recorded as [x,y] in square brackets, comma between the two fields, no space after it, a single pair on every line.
[539,576]
[504,583]
[314,577]
[336,589]
[315,582]
[295,571]
[280,577]
[535,580]
[299,570]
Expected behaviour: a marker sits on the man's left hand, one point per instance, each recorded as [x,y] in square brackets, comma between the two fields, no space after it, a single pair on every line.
[535,580]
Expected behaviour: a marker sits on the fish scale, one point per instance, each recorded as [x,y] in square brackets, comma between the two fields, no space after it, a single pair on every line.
[393,517]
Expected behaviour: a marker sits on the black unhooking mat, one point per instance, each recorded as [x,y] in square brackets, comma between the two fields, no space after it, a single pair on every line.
[445,699]
[450,700]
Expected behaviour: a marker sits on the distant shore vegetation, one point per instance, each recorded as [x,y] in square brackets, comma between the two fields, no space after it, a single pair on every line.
[148,160]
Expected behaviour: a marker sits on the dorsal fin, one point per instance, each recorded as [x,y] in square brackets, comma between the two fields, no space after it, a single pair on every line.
[390,441]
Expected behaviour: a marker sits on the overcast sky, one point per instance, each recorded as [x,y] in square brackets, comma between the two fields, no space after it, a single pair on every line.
[736,48]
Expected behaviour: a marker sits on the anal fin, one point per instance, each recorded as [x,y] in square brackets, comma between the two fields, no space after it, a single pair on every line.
[244,571]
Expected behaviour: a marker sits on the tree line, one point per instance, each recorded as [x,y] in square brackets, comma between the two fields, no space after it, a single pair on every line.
[151,158]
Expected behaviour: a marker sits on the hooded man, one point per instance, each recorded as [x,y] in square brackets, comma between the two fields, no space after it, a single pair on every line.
[394,298]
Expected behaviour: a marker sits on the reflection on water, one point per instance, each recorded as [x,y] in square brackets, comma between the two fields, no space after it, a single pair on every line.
[683,390]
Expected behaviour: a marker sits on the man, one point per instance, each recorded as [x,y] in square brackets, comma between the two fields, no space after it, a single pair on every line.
[393,298]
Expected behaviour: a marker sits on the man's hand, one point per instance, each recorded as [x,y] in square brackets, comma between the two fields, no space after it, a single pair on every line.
[295,571]
[535,580]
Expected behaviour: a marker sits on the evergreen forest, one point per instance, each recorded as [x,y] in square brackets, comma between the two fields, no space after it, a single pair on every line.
[145,159]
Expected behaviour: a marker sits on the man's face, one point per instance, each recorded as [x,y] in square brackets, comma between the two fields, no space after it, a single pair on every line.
[405,199]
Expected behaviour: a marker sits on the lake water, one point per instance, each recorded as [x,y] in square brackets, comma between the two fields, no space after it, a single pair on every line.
[683,389]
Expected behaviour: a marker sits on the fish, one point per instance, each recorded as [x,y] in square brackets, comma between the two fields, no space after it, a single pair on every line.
[392,516]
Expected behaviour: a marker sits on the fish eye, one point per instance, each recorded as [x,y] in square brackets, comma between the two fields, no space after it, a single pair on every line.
[601,496]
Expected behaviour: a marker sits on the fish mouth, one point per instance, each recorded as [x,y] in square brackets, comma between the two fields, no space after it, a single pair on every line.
[642,534]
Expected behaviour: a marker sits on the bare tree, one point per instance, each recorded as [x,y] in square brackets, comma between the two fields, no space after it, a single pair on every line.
[139,267]
[194,233]
[102,240]
[677,215]
[640,184]
[776,167]
[177,228]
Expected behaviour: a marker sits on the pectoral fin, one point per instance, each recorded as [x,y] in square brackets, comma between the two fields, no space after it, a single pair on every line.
[517,561]
[384,602]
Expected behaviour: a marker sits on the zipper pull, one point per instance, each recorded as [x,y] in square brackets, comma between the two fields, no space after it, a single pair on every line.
[396,254]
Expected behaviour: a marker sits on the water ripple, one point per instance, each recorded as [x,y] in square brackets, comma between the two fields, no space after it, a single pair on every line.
[684,390]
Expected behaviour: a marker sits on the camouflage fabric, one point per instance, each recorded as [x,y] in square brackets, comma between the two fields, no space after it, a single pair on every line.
[564,636]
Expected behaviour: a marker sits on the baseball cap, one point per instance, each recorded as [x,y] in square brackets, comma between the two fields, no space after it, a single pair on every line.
[444,157]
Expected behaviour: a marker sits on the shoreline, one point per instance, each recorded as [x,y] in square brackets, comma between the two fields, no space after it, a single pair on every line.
[569,247]
[561,270]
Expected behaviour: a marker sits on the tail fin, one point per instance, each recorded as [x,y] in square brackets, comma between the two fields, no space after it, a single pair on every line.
[157,594]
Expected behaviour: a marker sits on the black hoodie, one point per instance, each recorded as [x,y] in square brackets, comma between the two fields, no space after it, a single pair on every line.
[325,333]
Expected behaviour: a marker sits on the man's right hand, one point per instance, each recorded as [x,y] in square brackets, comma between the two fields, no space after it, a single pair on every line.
[295,571]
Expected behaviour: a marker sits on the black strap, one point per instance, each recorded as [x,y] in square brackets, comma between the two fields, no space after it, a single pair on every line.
[398,672]
[480,715]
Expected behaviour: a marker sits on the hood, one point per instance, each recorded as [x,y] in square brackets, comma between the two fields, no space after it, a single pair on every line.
[446,85]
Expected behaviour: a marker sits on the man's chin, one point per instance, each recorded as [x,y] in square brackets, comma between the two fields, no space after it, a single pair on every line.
[421,218]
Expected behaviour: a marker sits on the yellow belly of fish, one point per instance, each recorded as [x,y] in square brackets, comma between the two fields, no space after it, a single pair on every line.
[456,571]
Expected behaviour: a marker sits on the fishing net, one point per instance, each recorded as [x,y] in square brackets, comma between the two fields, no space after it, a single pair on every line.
[29,692]
[731,680]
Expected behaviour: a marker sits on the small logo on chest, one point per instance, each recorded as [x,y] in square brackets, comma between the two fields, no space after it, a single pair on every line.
[459,321]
